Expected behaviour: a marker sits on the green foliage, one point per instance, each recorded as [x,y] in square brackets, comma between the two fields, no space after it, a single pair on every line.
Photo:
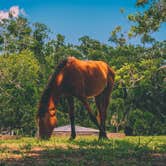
[141,121]
[15,35]
[139,94]
[117,115]
[40,34]
[148,21]
[19,75]
[117,36]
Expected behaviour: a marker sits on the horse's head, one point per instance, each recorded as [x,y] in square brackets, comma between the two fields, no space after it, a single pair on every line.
[47,121]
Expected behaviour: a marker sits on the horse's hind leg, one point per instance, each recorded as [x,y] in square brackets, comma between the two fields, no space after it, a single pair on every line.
[101,116]
[102,102]
[71,114]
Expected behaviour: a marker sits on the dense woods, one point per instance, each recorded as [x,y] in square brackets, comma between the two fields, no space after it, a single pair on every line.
[28,56]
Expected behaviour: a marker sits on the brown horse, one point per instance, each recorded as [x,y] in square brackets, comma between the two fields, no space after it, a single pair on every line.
[80,79]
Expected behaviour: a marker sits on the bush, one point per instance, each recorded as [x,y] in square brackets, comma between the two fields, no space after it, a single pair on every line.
[19,90]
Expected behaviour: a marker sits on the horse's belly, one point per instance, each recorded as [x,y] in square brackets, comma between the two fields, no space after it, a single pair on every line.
[94,87]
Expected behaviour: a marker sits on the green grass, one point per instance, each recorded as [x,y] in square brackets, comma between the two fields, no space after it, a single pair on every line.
[84,151]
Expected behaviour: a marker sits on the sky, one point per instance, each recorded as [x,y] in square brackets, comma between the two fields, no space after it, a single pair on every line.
[76,18]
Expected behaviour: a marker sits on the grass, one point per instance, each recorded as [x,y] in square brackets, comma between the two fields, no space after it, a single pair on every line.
[84,151]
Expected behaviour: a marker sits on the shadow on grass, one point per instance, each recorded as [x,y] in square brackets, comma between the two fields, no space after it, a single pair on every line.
[82,152]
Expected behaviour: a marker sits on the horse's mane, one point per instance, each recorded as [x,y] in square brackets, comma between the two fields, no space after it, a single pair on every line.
[47,91]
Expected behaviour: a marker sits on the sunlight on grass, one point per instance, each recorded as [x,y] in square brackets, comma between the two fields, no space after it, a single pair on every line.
[83,150]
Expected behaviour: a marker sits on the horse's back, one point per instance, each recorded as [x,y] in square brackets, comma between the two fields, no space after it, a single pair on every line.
[87,78]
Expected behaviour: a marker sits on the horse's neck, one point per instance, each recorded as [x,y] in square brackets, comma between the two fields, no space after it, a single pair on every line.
[54,94]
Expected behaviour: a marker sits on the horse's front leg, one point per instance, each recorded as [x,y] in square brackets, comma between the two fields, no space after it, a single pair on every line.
[72,117]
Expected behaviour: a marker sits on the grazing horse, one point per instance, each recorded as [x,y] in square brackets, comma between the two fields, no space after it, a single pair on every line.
[80,79]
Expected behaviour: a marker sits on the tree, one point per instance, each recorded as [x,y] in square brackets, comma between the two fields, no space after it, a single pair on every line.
[92,49]
[142,122]
[15,35]
[19,74]
[148,21]
[40,35]
[117,37]
[139,94]
[118,117]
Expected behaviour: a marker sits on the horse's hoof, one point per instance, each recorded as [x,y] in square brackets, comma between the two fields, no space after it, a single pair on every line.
[71,138]
[103,137]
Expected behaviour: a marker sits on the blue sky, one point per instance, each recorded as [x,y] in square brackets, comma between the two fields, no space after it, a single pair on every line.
[76,18]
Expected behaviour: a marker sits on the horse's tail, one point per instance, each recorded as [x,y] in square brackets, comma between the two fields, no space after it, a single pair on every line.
[110,83]
[111,74]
